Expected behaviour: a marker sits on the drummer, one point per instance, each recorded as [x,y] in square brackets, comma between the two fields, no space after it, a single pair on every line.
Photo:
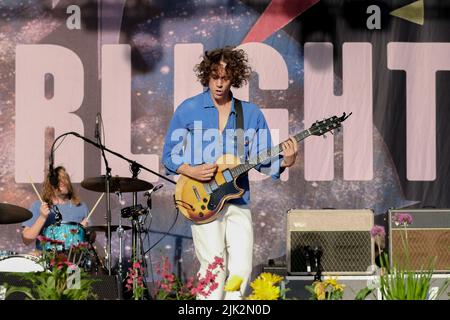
[63,196]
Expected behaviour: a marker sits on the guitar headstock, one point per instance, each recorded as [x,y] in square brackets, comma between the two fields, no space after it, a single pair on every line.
[321,127]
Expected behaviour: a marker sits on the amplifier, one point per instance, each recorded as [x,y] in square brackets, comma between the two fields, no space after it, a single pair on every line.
[353,284]
[427,238]
[342,237]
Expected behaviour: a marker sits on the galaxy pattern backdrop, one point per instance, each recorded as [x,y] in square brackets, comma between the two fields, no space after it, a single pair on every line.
[63,62]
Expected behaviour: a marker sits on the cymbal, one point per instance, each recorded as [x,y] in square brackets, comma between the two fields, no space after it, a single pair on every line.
[104,228]
[10,213]
[116,184]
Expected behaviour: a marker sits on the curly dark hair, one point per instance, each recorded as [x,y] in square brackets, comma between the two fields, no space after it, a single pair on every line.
[236,65]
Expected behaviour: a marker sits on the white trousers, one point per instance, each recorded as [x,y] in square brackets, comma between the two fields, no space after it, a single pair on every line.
[230,236]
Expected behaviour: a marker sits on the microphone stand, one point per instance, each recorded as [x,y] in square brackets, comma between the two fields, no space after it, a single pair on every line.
[135,167]
[131,162]
[108,207]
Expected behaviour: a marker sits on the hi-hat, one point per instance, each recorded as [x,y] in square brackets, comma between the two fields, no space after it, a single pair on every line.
[104,228]
[116,184]
[10,213]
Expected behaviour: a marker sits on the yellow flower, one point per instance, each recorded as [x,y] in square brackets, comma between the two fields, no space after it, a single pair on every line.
[270,277]
[334,284]
[319,290]
[263,290]
[233,284]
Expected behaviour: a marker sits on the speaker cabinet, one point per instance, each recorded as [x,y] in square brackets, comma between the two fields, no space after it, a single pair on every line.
[427,238]
[343,237]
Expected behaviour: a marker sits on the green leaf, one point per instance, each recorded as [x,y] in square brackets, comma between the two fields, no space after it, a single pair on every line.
[363,293]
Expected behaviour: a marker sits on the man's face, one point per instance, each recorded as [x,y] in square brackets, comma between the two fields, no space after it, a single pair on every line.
[220,83]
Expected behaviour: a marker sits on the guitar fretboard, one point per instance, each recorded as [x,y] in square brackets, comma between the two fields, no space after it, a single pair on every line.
[264,156]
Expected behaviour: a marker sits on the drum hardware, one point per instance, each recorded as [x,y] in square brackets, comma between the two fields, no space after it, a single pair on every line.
[117,184]
[109,183]
[104,228]
[10,214]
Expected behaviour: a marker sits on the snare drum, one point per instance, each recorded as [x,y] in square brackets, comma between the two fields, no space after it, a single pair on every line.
[20,263]
[70,233]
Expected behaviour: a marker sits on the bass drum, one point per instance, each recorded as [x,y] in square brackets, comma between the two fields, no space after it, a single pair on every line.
[20,263]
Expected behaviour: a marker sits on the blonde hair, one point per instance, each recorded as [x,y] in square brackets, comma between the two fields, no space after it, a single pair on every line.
[49,191]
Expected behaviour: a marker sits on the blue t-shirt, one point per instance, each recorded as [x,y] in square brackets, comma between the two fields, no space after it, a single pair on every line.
[69,212]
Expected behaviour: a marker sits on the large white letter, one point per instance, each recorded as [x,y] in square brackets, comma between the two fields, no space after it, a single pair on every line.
[320,102]
[420,61]
[116,113]
[34,112]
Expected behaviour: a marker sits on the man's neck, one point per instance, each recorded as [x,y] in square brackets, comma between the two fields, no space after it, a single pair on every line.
[223,103]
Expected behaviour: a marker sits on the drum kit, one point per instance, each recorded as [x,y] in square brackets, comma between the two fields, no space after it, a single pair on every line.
[68,233]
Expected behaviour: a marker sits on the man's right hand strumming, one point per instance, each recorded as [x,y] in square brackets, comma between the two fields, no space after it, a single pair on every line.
[203,172]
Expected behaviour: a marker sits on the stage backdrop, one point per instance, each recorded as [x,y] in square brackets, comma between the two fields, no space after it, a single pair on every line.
[62,62]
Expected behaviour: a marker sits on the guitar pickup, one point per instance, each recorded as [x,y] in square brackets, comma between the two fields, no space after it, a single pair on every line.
[197,195]
[207,188]
[227,175]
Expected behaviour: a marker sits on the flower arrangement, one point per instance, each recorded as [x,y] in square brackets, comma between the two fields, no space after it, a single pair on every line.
[398,283]
[134,280]
[171,287]
[61,279]
[328,289]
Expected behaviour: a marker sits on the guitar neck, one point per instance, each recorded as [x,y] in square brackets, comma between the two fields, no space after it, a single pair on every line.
[264,156]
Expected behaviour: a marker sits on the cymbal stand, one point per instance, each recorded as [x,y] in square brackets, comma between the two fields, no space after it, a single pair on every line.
[108,204]
[135,256]
[120,233]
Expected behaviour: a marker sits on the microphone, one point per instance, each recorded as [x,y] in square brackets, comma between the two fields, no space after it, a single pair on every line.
[97,127]
[155,188]
[148,194]
[58,216]
[52,175]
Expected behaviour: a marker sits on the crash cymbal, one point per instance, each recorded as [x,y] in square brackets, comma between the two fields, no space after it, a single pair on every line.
[116,184]
[104,228]
[10,213]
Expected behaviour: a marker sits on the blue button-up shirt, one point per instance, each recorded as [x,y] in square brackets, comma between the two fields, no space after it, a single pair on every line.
[193,138]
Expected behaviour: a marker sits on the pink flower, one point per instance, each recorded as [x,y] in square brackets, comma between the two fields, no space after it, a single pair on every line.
[218,260]
[377,231]
[43,239]
[403,218]
[56,242]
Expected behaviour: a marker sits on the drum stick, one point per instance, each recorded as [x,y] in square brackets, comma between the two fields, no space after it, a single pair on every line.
[95,206]
[35,190]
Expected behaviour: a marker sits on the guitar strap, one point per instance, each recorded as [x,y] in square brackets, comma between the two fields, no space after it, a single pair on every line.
[239,130]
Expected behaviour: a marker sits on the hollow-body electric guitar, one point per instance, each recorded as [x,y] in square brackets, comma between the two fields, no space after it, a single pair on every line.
[201,202]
